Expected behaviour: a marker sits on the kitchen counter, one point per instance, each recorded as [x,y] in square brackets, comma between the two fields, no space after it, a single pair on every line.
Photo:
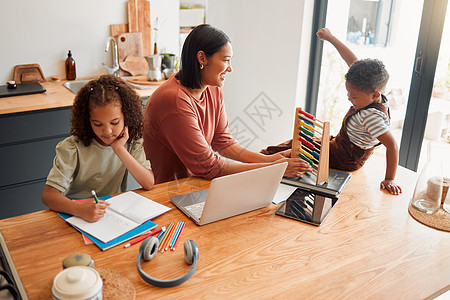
[56,96]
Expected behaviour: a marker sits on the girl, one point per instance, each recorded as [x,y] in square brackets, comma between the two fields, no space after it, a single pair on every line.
[105,142]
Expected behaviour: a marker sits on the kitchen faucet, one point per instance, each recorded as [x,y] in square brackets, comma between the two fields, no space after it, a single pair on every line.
[115,67]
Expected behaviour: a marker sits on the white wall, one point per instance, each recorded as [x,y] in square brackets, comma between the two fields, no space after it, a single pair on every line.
[271,41]
[168,13]
[42,31]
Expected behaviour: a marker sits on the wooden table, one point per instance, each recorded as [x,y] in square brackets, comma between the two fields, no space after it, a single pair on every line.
[368,247]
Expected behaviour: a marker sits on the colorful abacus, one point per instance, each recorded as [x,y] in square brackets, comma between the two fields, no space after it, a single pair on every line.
[311,142]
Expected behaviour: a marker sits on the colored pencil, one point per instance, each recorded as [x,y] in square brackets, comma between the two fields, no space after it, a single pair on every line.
[172,239]
[165,233]
[143,237]
[180,224]
[168,238]
[163,242]
[161,233]
[178,234]
[181,230]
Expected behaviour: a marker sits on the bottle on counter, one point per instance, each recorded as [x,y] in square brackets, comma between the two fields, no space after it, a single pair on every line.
[71,73]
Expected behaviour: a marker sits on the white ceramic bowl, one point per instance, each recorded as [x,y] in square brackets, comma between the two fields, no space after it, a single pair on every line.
[78,282]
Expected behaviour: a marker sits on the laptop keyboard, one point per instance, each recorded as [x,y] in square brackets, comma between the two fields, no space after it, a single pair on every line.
[196,209]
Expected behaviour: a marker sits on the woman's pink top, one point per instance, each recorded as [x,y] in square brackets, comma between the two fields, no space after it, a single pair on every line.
[181,133]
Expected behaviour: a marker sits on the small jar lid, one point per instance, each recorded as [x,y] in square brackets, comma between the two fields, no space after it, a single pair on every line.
[78,259]
[78,282]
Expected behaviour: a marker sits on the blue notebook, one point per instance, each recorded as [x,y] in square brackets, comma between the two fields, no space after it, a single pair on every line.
[148,225]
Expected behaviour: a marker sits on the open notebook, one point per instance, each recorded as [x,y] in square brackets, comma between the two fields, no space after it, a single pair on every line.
[126,212]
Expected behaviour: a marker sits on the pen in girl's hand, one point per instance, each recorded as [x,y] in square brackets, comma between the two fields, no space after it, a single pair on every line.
[95,196]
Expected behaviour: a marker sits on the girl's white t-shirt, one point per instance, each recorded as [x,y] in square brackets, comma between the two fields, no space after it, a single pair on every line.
[79,169]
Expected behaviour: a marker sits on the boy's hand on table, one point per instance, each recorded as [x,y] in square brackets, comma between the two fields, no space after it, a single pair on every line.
[391,186]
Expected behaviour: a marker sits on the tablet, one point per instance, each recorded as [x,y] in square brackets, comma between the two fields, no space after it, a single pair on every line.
[307,207]
[27,88]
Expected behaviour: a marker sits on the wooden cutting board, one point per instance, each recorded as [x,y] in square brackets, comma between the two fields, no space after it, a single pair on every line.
[139,21]
[129,44]
[142,79]
[29,72]
[117,29]
[134,65]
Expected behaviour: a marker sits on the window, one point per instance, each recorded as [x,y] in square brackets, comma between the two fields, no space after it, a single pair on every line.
[369,22]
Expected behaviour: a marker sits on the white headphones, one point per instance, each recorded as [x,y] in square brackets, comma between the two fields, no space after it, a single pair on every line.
[148,250]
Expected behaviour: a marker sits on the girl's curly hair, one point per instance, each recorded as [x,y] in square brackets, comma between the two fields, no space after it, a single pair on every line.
[368,75]
[107,89]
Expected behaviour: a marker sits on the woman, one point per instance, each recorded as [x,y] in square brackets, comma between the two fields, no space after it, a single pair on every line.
[185,121]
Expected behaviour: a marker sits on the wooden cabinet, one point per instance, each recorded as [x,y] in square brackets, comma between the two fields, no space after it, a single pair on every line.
[27,149]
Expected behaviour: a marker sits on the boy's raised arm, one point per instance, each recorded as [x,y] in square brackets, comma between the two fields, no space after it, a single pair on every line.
[325,35]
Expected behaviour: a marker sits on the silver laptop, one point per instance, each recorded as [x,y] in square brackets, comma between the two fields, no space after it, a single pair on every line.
[232,195]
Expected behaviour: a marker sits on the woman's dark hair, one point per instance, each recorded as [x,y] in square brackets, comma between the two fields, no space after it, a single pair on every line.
[105,90]
[368,75]
[204,38]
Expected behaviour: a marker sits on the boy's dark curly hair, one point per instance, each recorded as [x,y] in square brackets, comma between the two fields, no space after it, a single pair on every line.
[107,89]
[368,75]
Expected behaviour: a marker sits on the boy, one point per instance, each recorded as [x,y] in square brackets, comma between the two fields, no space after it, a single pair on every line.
[366,124]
